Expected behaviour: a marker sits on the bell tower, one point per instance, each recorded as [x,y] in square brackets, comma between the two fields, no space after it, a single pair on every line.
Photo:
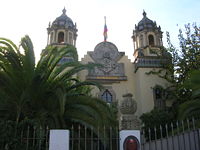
[150,58]
[147,38]
[62,31]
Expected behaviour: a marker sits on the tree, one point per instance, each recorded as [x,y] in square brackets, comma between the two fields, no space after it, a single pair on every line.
[186,61]
[191,108]
[186,58]
[47,92]
[183,61]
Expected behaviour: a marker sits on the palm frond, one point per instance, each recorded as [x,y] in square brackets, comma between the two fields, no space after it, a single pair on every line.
[189,109]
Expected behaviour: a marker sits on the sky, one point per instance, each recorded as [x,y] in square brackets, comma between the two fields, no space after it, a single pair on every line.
[31,17]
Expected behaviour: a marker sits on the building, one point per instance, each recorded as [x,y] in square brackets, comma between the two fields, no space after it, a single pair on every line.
[129,85]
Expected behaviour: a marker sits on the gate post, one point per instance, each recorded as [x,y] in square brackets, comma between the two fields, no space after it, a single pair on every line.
[130,139]
[59,140]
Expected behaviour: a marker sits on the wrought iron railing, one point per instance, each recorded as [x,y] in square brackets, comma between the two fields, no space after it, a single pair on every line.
[104,138]
[29,138]
[180,135]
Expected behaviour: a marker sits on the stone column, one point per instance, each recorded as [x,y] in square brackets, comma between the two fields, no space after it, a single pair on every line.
[66,36]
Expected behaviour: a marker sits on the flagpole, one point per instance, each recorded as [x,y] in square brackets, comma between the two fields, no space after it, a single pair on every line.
[105,30]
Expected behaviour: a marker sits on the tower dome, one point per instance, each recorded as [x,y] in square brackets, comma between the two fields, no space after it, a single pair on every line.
[63,21]
[62,31]
[147,41]
[147,38]
[146,23]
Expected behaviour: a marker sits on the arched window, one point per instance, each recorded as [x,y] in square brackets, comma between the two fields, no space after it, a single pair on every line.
[158,93]
[159,98]
[151,40]
[60,37]
[107,96]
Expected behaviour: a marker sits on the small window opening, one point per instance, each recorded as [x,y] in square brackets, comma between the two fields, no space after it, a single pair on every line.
[106,96]
[159,98]
[151,40]
[60,37]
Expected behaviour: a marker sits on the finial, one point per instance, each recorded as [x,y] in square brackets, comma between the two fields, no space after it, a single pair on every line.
[144,13]
[64,11]
[49,24]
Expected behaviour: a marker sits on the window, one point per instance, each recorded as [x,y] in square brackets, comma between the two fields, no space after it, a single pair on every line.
[107,96]
[159,98]
[60,37]
[151,40]
[158,93]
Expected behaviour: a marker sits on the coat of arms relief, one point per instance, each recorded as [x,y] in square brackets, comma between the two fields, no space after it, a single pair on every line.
[108,56]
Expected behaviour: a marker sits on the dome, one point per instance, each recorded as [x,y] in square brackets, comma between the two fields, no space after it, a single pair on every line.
[63,21]
[146,23]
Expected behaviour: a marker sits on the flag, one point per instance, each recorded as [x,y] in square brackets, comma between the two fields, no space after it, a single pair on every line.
[105,31]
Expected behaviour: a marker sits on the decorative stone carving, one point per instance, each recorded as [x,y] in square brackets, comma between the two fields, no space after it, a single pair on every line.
[105,50]
[106,54]
[128,105]
[128,108]
[130,122]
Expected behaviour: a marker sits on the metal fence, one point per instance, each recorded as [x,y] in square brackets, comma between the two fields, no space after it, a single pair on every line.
[35,138]
[29,138]
[180,135]
[83,138]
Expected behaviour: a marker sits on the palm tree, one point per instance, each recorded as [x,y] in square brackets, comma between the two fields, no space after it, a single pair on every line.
[48,92]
